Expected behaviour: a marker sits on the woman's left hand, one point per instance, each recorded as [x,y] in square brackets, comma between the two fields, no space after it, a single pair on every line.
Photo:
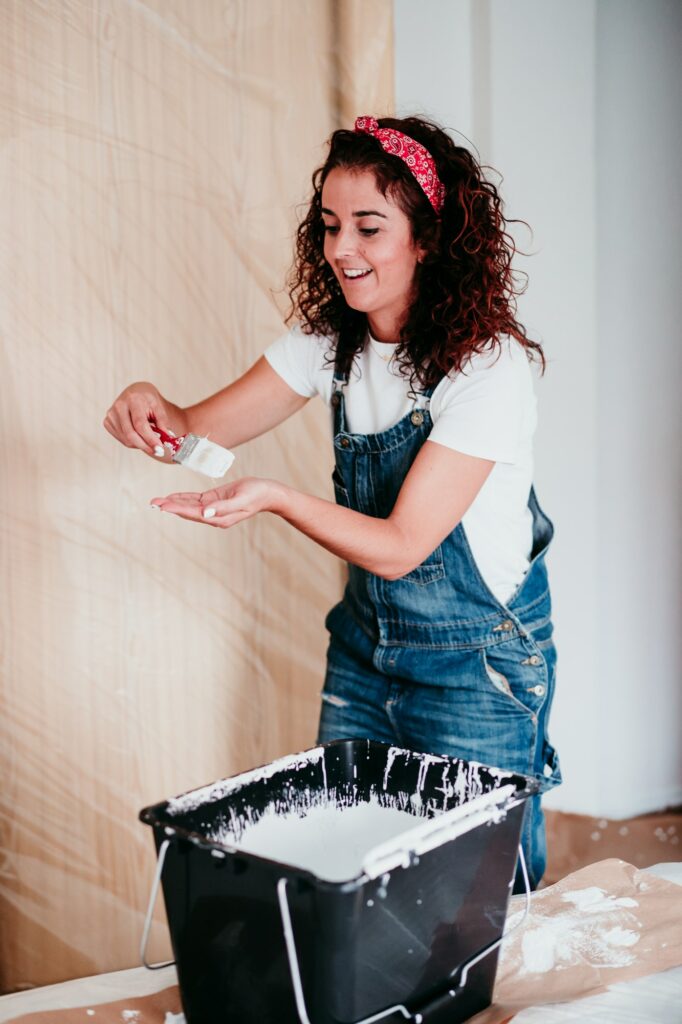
[223,506]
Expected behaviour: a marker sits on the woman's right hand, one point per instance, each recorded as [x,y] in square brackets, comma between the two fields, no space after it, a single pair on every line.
[131,416]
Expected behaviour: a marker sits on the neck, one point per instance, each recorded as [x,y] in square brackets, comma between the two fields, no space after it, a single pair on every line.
[385,329]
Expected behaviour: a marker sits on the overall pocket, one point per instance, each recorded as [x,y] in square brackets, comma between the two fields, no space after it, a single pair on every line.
[517,672]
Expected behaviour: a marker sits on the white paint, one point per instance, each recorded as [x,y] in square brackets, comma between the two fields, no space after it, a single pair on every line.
[488,808]
[620,937]
[596,929]
[569,102]
[330,841]
[339,834]
[594,900]
[204,456]
[174,1018]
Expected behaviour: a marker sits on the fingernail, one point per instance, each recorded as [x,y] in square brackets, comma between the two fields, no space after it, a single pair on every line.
[157,508]
[208,513]
[159,452]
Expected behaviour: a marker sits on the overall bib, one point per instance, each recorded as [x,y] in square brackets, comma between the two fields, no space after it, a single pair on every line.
[433,661]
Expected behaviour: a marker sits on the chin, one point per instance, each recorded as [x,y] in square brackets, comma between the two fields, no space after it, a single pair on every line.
[359,307]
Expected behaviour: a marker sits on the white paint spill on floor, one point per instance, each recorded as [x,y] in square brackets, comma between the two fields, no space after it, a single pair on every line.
[598,930]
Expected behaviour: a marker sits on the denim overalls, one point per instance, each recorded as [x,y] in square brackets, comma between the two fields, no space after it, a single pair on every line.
[433,661]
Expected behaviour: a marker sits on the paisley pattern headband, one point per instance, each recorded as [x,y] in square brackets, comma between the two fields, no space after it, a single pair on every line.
[418,159]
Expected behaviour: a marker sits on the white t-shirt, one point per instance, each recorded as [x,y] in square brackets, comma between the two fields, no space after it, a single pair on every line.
[487,410]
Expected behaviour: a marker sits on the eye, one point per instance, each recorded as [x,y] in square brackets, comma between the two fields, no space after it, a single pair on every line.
[329,229]
[368,231]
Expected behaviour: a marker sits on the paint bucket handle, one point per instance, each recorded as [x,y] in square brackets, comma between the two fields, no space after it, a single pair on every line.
[416,1017]
[292,956]
[498,942]
[163,849]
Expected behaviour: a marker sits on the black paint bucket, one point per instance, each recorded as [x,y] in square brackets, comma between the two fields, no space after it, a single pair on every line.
[413,935]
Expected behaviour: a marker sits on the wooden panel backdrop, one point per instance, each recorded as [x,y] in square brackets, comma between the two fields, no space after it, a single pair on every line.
[152,158]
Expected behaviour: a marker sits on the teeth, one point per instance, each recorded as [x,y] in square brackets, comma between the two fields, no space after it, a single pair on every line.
[356,273]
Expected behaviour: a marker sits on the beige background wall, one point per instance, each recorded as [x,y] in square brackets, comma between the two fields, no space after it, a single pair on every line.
[152,157]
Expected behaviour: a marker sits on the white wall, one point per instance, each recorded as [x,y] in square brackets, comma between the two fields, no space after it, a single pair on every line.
[578,106]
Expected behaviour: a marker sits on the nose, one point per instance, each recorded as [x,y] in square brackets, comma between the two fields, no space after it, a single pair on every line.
[343,244]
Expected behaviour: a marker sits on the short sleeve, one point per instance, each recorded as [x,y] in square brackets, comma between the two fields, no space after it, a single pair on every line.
[488,409]
[300,361]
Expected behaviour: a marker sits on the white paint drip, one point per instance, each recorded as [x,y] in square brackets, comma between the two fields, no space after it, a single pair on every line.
[217,790]
[426,761]
[390,758]
[598,930]
[337,832]
[174,1018]
[130,1016]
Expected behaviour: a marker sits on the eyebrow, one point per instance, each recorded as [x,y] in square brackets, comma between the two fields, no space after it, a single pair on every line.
[358,213]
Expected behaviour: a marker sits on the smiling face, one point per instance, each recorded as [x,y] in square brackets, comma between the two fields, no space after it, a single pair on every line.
[368,244]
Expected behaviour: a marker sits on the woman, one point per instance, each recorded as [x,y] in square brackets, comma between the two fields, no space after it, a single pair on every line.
[403,292]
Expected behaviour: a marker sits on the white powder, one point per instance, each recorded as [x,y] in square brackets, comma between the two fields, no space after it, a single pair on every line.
[620,937]
[594,900]
[598,930]
[330,840]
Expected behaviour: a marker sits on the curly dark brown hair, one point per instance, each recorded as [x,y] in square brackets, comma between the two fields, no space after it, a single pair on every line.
[465,288]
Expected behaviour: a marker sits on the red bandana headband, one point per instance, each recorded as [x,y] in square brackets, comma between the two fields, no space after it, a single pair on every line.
[418,159]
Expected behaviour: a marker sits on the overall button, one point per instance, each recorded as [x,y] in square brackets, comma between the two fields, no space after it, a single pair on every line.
[538,690]
[534,659]
[504,626]
[344,442]
[417,417]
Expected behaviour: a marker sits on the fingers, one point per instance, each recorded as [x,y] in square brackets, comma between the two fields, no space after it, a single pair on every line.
[210,507]
[177,503]
[132,417]
[132,430]
[222,522]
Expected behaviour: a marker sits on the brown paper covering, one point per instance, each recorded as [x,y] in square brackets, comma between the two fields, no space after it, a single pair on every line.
[584,960]
[154,158]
